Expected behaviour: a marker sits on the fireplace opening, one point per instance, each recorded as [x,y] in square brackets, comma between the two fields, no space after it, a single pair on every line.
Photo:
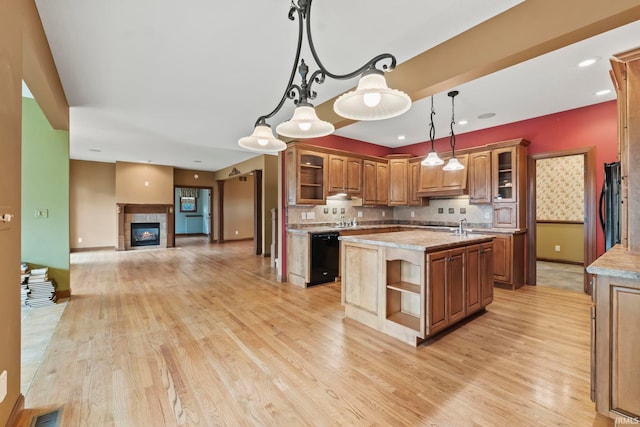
[145,233]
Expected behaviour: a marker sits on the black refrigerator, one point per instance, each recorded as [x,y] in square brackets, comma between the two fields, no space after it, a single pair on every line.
[610,201]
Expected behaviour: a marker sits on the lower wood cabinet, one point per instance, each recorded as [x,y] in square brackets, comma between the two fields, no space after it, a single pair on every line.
[508,259]
[479,276]
[446,288]
[616,347]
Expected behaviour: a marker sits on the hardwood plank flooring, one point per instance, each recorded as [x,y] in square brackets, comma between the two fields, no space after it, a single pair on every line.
[203,335]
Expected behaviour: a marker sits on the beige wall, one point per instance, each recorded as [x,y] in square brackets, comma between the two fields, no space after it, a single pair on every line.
[238,208]
[569,237]
[10,143]
[269,166]
[187,178]
[92,198]
[144,183]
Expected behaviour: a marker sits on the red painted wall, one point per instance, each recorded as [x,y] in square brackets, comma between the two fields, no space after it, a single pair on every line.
[595,125]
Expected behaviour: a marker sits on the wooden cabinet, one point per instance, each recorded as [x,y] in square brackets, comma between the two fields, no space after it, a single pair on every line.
[434,181]
[306,176]
[447,281]
[508,259]
[344,175]
[298,252]
[398,182]
[375,183]
[479,276]
[509,181]
[414,176]
[615,375]
[480,177]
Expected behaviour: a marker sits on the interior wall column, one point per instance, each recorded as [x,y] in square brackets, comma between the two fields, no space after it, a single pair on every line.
[220,211]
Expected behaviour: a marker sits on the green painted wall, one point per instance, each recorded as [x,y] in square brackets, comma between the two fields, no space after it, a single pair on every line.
[45,186]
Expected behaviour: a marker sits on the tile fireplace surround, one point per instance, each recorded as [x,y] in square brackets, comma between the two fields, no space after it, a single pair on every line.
[128,213]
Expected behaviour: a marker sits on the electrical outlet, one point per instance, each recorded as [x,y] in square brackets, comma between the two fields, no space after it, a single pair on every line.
[334,210]
[383,213]
[326,210]
[413,214]
[557,248]
[311,215]
[463,210]
[3,385]
[440,210]
[452,210]
[341,210]
[359,214]
[303,215]
[487,215]
[42,213]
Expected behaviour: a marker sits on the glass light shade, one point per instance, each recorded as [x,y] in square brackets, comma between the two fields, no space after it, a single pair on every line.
[360,104]
[432,159]
[262,140]
[453,165]
[305,124]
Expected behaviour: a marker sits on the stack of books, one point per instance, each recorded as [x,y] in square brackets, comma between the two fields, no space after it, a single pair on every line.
[42,290]
[24,288]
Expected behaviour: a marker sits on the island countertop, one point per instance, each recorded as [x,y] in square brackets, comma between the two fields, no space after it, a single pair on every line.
[420,240]
[617,262]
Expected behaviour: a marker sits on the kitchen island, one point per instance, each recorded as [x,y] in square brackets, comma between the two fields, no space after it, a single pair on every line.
[414,284]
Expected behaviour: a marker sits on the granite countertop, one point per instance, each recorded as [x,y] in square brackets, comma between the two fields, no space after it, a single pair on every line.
[421,240]
[471,229]
[617,262]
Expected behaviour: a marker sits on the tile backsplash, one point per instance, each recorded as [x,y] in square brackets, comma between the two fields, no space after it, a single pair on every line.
[439,212]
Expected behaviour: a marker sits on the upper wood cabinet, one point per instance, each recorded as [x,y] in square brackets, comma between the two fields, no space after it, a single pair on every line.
[306,173]
[480,177]
[345,175]
[375,183]
[414,177]
[509,179]
[435,181]
[398,182]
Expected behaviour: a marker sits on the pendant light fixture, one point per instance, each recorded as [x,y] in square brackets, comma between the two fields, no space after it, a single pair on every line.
[372,99]
[432,158]
[453,164]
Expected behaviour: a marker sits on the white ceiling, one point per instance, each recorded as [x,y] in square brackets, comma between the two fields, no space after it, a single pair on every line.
[178,83]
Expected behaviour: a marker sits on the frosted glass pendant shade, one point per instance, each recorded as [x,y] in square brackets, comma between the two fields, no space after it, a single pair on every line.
[432,159]
[262,140]
[372,100]
[453,165]
[305,124]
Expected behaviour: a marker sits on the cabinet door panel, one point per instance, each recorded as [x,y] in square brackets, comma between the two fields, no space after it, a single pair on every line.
[337,167]
[430,178]
[505,175]
[369,182]
[505,215]
[354,176]
[398,183]
[382,183]
[480,178]
[453,180]
[487,264]
[455,285]
[474,278]
[502,258]
[437,291]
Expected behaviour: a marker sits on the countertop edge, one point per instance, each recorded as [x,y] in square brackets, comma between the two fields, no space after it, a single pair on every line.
[617,262]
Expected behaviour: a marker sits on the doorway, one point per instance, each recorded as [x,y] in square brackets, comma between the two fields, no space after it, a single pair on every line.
[193,211]
[555,216]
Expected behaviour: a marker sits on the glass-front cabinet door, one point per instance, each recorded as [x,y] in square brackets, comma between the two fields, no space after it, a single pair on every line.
[504,175]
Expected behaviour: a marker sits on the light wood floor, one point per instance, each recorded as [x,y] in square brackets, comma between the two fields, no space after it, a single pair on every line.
[203,335]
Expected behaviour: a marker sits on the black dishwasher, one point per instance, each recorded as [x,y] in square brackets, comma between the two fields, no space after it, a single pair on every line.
[325,254]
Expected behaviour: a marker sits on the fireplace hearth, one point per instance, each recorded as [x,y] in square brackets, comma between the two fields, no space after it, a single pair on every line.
[145,234]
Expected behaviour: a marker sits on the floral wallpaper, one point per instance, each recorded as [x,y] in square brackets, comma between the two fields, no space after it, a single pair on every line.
[560,189]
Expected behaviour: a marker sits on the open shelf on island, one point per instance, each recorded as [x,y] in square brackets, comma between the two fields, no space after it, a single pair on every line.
[405,319]
[405,287]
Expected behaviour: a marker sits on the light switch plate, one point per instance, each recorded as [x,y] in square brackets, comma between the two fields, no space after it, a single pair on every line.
[3,385]
[311,215]
[359,214]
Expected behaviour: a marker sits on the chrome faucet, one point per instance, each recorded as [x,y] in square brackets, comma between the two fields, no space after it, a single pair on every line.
[461,231]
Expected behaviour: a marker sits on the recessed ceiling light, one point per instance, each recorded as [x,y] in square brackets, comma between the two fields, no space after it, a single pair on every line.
[149,161]
[197,161]
[603,92]
[463,122]
[486,115]
[588,62]
[95,150]
[401,137]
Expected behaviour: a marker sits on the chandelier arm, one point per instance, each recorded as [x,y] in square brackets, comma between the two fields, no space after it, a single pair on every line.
[369,65]
[301,13]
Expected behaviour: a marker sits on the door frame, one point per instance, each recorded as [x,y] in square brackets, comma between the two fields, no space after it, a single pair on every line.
[590,249]
[210,202]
